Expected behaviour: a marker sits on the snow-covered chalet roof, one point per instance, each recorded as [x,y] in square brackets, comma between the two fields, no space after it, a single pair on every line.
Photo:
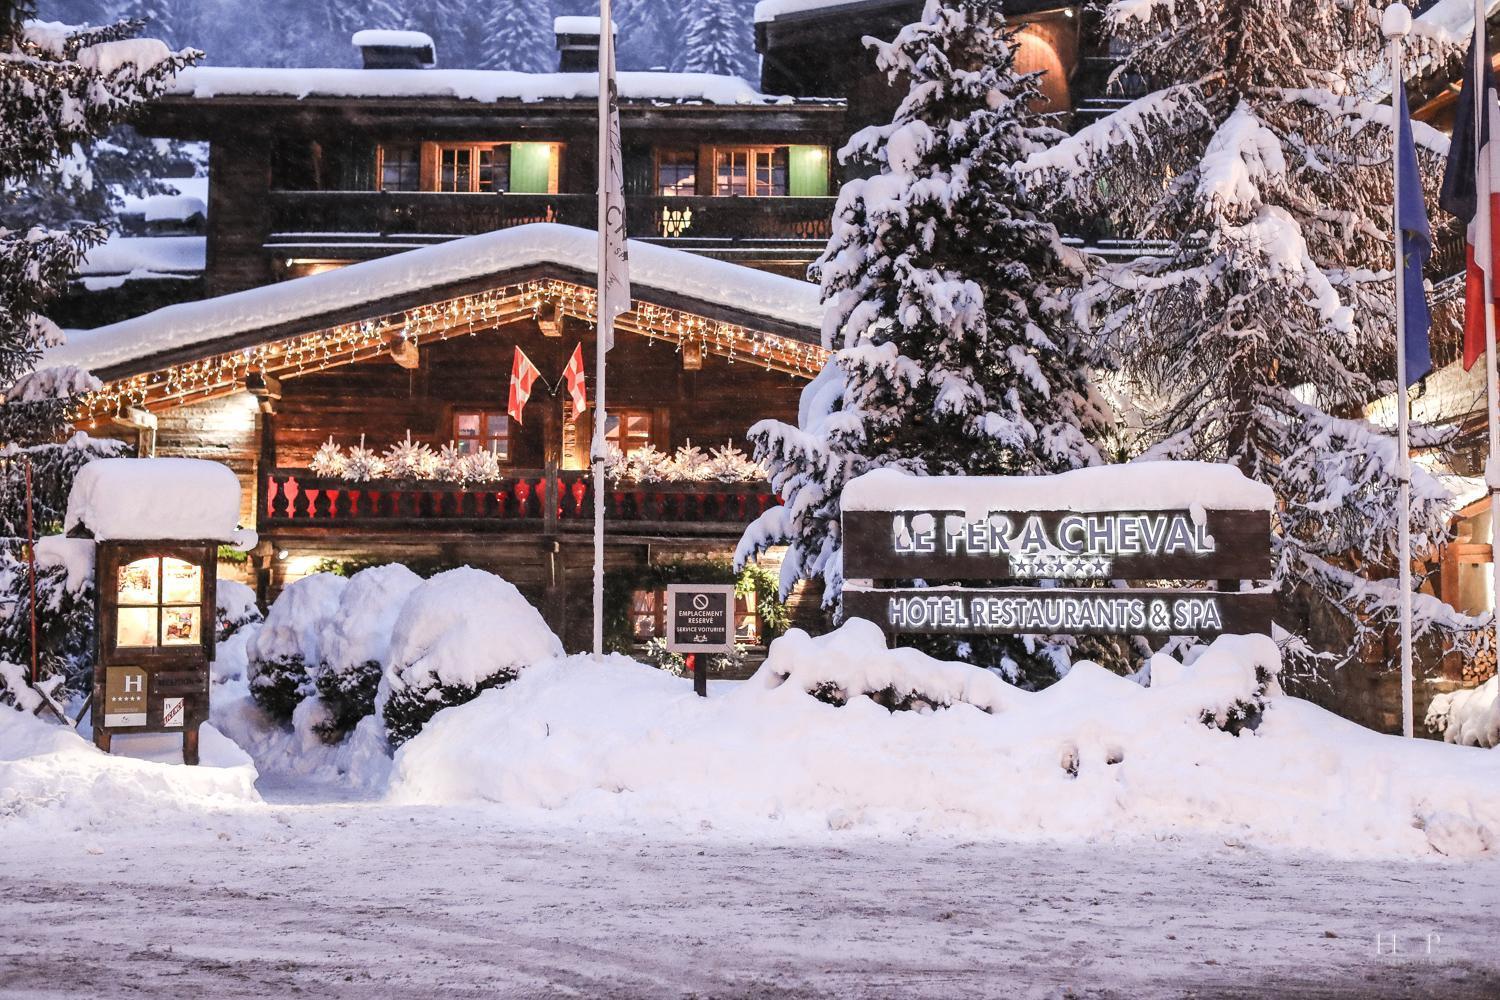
[486,86]
[658,274]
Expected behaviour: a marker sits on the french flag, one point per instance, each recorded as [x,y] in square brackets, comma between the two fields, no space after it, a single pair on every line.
[1469,180]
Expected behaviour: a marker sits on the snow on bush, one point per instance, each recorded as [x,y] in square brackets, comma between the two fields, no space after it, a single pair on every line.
[46,768]
[458,634]
[1093,756]
[287,648]
[65,619]
[356,645]
[234,608]
[839,667]
[1470,716]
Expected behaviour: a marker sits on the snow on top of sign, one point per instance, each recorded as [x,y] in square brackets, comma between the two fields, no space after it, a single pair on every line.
[389,38]
[578,24]
[151,498]
[770,10]
[1134,486]
[460,84]
[189,323]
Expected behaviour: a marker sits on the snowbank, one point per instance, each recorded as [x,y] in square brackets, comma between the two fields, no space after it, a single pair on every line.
[679,272]
[182,498]
[1095,756]
[361,763]
[45,768]
[1470,717]
[1133,486]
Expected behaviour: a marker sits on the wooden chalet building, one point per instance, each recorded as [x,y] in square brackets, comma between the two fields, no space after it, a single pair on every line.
[420,345]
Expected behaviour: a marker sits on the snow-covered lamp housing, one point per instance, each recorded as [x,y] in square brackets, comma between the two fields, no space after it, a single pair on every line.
[157,524]
[386,49]
[578,43]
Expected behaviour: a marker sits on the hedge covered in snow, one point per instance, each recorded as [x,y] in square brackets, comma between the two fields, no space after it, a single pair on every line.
[1470,717]
[288,647]
[459,633]
[356,645]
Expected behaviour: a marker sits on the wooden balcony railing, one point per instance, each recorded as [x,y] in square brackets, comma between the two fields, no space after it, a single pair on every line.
[294,498]
[432,214]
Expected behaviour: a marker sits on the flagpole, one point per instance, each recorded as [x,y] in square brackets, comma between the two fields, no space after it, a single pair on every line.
[1396,23]
[1485,245]
[604,320]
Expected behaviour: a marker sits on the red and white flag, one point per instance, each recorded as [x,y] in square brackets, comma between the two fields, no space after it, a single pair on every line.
[523,375]
[1471,181]
[573,374]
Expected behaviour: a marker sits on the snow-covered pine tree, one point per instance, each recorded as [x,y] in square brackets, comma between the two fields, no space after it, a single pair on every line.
[61,88]
[650,32]
[518,35]
[717,35]
[1263,331]
[946,305]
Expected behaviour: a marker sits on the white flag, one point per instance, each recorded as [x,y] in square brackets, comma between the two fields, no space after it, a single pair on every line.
[614,261]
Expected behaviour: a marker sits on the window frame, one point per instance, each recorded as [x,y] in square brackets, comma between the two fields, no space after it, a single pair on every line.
[618,436]
[772,158]
[484,439]
[689,161]
[415,166]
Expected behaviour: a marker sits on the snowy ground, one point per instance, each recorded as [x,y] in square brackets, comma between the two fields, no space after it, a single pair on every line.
[359,899]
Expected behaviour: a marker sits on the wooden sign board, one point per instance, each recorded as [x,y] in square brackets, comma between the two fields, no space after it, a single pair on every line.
[1057,545]
[1058,611]
[700,618]
[155,605]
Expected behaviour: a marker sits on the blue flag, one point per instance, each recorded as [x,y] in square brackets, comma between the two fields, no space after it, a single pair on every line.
[1416,247]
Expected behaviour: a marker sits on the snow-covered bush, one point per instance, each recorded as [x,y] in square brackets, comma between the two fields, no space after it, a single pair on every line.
[234,608]
[65,621]
[853,661]
[287,648]
[1470,716]
[458,634]
[356,644]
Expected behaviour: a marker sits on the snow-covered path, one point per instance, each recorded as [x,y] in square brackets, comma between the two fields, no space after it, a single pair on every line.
[361,900]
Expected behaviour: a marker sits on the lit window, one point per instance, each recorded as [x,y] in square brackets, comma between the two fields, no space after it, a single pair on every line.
[677,173]
[753,172]
[633,430]
[160,603]
[647,614]
[482,430]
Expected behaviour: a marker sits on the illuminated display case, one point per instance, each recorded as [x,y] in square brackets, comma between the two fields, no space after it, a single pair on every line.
[156,638]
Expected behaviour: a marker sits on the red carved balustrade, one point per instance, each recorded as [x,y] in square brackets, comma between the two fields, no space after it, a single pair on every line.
[295,498]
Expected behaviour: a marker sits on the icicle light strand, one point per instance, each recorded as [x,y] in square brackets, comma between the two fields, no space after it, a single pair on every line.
[365,340]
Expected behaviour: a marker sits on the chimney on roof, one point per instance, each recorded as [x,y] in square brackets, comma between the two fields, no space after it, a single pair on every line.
[386,49]
[578,43]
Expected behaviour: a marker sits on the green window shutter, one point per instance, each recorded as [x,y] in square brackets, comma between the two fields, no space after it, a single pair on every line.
[809,171]
[530,167]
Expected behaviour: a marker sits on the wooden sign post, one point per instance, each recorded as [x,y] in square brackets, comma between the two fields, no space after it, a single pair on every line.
[155,604]
[1013,549]
[700,619]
